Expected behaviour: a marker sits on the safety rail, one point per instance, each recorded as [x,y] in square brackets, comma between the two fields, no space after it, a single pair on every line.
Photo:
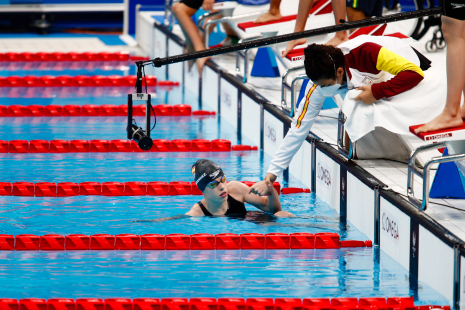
[342,148]
[424,173]
[285,86]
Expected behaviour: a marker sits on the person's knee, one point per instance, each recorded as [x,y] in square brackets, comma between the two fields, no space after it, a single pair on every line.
[452,29]
[178,8]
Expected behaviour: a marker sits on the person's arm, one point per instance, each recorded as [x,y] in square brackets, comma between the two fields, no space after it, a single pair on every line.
[309,108]
[373,58]
[195,211]
[270,203]
[164,219]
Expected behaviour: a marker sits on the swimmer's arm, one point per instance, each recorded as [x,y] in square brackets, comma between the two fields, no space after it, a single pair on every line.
[164,219]
[195,211]
[309,108]
[270,203]
[374,58]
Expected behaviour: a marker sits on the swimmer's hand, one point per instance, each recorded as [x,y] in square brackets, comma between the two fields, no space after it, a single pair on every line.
[262,188]
[366,96]
[163,219]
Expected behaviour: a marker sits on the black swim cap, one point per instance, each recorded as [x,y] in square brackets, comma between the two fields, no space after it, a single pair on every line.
[204,172]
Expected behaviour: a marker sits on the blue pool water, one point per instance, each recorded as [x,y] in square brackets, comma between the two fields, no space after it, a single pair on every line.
[357,272]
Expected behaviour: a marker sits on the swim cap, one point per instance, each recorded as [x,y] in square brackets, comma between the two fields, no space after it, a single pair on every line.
[204,172]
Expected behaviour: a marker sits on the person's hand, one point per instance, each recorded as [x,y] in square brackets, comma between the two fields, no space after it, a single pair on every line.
[366,96]
[291,44]
[262,188]
[207,5]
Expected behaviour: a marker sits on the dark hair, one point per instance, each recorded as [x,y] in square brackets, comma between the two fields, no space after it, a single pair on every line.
[318,63]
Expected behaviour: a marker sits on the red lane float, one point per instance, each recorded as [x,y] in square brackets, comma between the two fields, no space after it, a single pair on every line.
[70,56]
[202,241]
[61,304]
[106,110]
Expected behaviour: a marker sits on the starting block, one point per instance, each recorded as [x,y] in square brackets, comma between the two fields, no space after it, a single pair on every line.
[449,134]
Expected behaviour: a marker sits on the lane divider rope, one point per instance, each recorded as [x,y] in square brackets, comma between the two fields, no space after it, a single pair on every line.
[76,81]
[225,241]
[69,56]
[370,303]
[113,189]
[119,146]
[54,110]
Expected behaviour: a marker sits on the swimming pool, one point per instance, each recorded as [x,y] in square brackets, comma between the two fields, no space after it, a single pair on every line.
[352,272]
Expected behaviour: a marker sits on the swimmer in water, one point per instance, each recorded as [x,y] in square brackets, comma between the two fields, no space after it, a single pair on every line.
[222,198]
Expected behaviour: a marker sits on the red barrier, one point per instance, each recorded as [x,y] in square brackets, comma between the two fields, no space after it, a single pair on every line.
[327,241]
[19,146]
[277,186]
[162,110]
[27,242]
[5,189]
[123,110]
[275,241]
[89,304]
[174,304]
[146,304]
[77,242]
[112,189]
[4,146]
[227,241]
[195,189]
[135,189]
[161,145]
[221,145]
[17,111]
[151,80]
[178,242]
[30,81]
[180,188]
[32,304]
[140,110]
[135,147]
[99,81]
[7,243]
[90,188]
[82,80]
[72,110]
[115,81]
[35,110]
[302,241]
[241,147]
[108,110]
[90,110]
[292,190]
[59,146]
[45,189]
[202,242]
[352,244]
[61,304]
[288,304]
[201,112]
[127,242]
[52,242]
[118,304]
[67,189]
[203,304]
[102,242]
[152,242]
[167,83]
[316,304]
[344,303]
[231,304]
[66,81]
[400,303]
[372,303]
[130,80]
[201,145]
[259,304]
[39,146]
[23,189]
[182,110]
[3,110]
[53,110]
[8,304]
[79,146]
[120,146]
[180,145]
[157,189]
[99,146]
[48,81]
[252,241]
[14,81]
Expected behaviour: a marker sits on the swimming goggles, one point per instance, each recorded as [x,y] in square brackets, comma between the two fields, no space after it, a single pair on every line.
[214,184]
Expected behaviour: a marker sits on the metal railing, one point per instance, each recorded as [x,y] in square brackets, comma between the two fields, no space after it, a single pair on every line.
[342,148]
[285,86]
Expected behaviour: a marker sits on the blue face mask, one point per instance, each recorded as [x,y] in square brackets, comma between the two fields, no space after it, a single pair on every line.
[329,91]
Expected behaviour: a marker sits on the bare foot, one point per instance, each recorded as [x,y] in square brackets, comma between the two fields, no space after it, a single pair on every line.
[291,44]
[268,17]
[200,63]
[442,121]
[336,40]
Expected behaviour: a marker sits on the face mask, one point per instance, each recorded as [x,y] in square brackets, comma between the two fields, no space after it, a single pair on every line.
[329,91]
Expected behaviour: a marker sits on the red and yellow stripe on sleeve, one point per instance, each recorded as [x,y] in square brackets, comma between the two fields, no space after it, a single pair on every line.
[304,110]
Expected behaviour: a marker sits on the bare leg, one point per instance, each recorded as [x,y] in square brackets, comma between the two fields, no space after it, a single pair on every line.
[354,15]
[272,14]
[305,6]
[339,8]
[451,116]
[183,14]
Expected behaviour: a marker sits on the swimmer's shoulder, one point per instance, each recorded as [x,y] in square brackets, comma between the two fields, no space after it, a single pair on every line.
[196,210]
[238,189]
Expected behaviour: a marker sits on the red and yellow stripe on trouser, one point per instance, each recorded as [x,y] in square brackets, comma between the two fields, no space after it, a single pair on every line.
[307,101]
